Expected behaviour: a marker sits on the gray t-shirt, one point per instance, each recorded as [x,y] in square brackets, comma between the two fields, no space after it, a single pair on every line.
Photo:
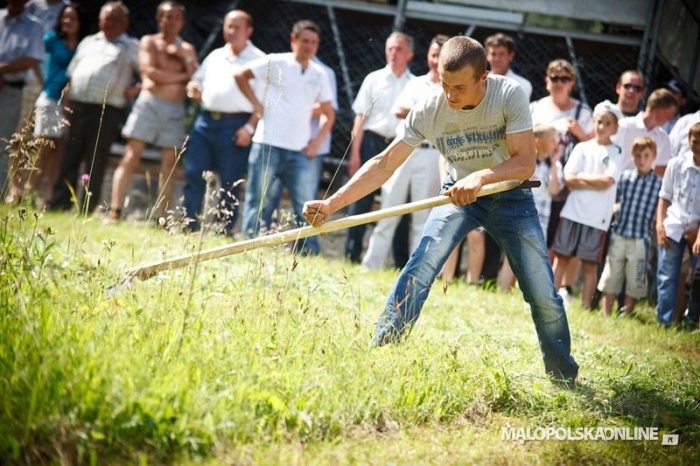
[475,139]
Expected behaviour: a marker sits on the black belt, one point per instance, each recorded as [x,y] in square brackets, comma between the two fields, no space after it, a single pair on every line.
[220,115]
[15,84]
[384,139]
[427,145]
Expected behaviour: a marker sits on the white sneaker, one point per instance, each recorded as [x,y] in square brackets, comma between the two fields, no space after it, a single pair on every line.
[565,296]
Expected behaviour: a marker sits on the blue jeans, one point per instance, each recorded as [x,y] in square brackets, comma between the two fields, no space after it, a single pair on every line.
[511,218]
[668,278]
[210,148]
[371,146]
[274,196]
[269,165]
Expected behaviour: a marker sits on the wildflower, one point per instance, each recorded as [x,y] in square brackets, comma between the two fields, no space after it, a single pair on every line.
[85,179]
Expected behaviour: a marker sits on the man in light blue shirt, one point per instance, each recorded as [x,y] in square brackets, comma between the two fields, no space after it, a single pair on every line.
[21,49]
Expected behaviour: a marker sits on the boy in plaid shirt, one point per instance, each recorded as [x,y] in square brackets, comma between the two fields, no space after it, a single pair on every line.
[638,192]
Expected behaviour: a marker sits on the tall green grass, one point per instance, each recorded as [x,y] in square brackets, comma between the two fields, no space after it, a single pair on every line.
[264,358]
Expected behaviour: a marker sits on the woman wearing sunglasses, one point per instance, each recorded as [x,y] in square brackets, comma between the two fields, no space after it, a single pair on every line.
[573,121]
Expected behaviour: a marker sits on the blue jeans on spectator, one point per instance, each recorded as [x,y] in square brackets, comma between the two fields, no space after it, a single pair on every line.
[268,164]
[274,196]
[371,145]
[210,147]
[511,218]
[668,278]
[693,316]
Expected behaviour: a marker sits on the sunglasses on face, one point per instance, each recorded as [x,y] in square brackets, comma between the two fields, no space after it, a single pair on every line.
[563,79]
[633,87]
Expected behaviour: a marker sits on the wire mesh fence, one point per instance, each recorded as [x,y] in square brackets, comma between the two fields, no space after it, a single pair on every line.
[353,45]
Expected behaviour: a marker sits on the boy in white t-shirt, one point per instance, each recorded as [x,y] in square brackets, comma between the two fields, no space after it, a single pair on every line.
[591,174]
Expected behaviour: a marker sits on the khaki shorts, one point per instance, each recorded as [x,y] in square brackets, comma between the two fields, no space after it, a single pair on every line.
[626,264]
[156,121]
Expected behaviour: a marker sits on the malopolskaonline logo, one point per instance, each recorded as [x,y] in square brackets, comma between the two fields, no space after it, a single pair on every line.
[587,434]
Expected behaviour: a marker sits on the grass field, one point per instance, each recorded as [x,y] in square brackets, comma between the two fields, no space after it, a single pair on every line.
[263,358]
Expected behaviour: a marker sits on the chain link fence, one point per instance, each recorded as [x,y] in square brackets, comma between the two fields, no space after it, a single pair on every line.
[353,45]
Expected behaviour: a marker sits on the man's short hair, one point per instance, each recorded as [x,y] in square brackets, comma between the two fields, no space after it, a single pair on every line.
[115,5]
[634,72]
[643,142]
[540,129]
[661,98]
[171,3]
[500,40]
[439,40]
[694,130]
[305,25]
[461,51]
[244,14]
[401,35]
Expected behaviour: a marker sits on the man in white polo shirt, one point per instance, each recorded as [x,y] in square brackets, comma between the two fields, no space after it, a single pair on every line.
[221,135]
[283,148]
[418,176]
[375,124]
[500,52]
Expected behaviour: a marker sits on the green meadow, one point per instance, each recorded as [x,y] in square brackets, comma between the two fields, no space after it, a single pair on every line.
[265,358]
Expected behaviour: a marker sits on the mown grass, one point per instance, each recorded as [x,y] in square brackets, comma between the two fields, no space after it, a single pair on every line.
[263,358]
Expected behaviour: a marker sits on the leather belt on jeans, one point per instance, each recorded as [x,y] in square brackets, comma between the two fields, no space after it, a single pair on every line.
[220,115]
[15,84]
[385,139]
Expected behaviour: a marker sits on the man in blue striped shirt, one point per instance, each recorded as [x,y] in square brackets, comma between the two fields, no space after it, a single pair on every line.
[626,263]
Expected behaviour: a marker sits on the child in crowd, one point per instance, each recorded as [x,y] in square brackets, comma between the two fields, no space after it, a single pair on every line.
[638,192]
[549,172]
[591,174]
[677,222]
[691,320]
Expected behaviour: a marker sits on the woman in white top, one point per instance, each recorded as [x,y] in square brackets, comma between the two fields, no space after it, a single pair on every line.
[573,121]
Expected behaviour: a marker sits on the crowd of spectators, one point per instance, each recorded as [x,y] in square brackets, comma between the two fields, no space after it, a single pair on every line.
[620,183]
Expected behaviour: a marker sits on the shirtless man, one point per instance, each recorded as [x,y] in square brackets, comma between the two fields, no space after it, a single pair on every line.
[166,63]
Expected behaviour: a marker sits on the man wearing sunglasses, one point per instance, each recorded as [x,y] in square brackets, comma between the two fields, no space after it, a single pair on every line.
[630,89]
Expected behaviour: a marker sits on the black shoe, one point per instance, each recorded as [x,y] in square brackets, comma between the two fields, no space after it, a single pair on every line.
[689,325]
[566,383]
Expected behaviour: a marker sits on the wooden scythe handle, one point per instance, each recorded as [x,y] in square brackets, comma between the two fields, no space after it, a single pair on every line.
[147,271]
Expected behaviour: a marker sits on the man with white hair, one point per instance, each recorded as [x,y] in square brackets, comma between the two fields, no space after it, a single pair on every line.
[101,82]
[375,124]
[418,177]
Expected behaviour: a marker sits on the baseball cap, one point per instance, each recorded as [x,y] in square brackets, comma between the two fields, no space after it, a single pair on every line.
[676,86]
[607,106]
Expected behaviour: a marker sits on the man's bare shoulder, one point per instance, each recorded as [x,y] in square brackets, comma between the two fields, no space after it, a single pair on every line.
[187,46]
[148,39]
